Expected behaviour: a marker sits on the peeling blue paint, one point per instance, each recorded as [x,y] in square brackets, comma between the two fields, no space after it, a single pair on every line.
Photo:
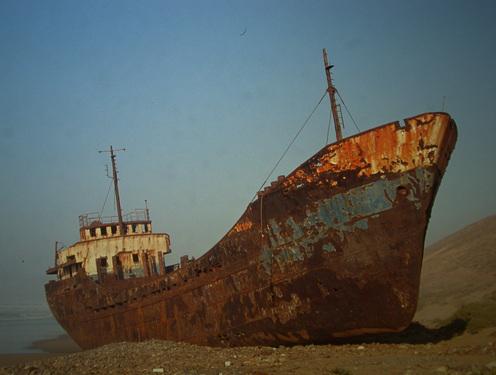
[325,216]
[328,248]
[362,224]
[289,255]
[266,258]
[424,180]
[341,214]
[297,231]
[276,239]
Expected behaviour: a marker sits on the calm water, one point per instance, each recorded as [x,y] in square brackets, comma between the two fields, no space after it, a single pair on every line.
[21,325]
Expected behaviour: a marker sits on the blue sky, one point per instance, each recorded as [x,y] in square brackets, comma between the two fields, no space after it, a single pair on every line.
[205,112]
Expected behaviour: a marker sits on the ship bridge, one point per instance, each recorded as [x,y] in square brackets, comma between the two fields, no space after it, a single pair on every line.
[112,248]
[118,247]
[93,226]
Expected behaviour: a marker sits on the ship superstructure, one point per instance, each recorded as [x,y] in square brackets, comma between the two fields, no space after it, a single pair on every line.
[123,246]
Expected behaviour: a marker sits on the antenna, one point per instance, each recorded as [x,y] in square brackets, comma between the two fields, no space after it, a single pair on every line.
[116,186]
[444,103]
[107,169]
[147,211]
[332,91]
[56,252]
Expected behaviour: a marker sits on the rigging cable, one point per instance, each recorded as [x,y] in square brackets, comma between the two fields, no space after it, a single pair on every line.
[347,110]
[290,144]
[105,202]
[328,128]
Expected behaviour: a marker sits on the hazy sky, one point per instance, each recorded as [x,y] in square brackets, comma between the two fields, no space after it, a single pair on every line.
[205,111]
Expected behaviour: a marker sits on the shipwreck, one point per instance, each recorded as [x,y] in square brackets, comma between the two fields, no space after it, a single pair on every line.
[332,250]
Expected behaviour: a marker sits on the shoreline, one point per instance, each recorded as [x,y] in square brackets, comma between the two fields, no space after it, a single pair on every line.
[13,359]
[52,347]
[61,344]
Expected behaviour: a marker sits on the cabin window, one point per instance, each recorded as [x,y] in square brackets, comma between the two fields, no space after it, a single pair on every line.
[103,262]
[113,229]
[104,231]
[135,258]
[133,228]
[93,232]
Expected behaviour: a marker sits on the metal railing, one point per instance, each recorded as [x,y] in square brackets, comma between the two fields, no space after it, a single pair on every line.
[94,218]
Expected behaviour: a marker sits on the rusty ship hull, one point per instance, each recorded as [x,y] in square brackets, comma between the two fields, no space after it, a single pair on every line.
[332,250]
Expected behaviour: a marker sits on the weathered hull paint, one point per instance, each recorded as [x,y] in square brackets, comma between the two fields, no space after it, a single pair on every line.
[332,250]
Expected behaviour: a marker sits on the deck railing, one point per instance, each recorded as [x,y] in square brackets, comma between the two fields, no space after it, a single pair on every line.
[94,218]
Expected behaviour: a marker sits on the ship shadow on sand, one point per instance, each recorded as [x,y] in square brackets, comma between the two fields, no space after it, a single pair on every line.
[416,333]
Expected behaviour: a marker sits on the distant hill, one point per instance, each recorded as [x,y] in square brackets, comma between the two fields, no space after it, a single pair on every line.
[458,270]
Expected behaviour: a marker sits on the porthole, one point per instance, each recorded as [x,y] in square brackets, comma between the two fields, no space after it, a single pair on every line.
[402,191]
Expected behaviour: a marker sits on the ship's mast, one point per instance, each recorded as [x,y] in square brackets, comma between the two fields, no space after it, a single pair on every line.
[332,91]
[116,187]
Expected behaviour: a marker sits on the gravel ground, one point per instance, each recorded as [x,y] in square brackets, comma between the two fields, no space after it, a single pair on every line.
[466,354]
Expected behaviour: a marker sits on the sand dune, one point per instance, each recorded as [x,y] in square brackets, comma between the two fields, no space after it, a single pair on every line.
[457,270]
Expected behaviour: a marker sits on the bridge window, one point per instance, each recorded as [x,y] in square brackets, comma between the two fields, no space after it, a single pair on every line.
[92,232]
[104,231]
[135,258]
[113,229]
